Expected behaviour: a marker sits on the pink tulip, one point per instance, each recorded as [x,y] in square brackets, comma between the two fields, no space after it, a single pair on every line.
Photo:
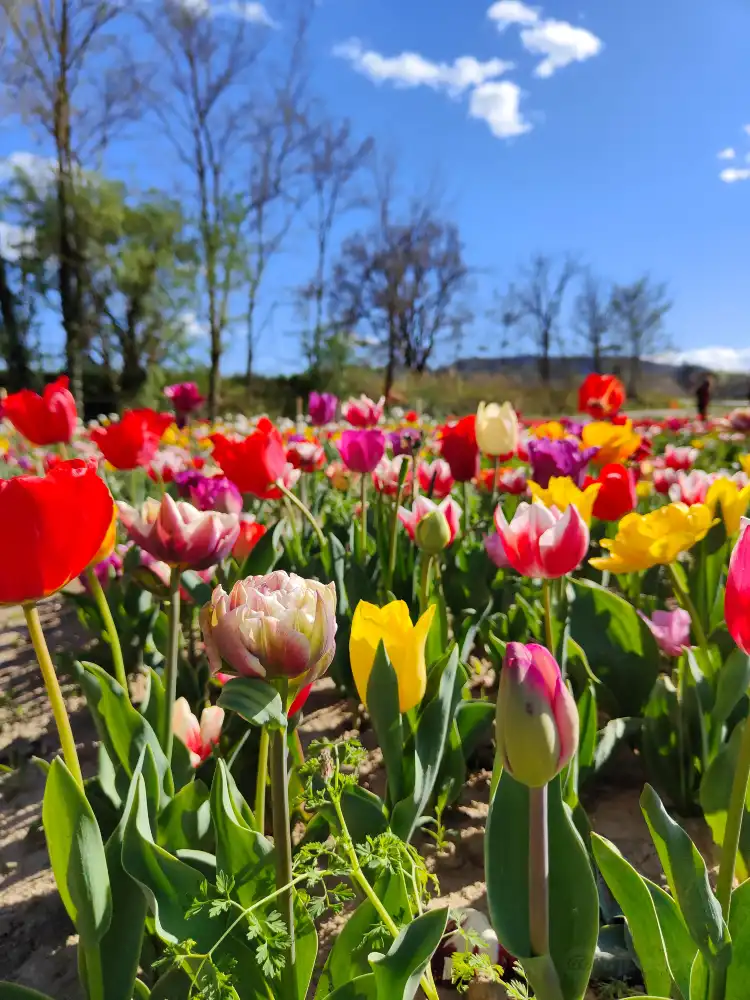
[737,597]
[387,473]
[664,479]
[199,737]
[435,478]
[541,542]
[362,450]
[680,458]
[432,526]
[363,412]
[671,629]
[495,549]
[178,534]
[184,396]
[691,487]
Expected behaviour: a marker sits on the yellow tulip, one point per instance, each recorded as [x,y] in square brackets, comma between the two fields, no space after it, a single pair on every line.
[562,492]
[643,489]
[745,463]
[733,501]
[496,429]
[552,430]
[404,644]
[657,538]
[615,442]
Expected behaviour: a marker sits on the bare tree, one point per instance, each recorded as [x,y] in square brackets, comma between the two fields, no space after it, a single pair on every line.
[540,296]
[638,311]
[14,324]
[72,79]
[592,318]
[505,314]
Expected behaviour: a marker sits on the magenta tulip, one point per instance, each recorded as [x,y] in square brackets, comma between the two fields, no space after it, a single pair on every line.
[362,450]
[671,629]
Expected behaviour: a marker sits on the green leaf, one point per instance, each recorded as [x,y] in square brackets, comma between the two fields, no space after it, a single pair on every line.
[383,706]
[364,813]
[185,822]
[732,683]
[141,991]
[429,746]
[699,978]
[573,897]
[173,985]
[152,706]
[255,701]
[199,591]
[11,991]
[474,719]
[397,973]
[632,893]
[715,793]
[76,854]
[587,719]
[264,555]
[361,988]
[306,944]
[681,949]
[687,878]
[738,974]
[619,647]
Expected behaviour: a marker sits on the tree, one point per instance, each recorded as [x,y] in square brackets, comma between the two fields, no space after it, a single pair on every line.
[638,312]
[17,306]
[592,318]
[539,299]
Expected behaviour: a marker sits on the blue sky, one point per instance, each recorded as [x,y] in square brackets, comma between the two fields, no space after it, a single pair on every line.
[589,126]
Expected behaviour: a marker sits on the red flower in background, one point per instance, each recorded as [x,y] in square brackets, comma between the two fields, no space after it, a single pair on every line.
[458,446]
[254,464]
[617,496]
[250,534]
[51,529]
[308,456]
[47,419]
[133,440]
[601,395]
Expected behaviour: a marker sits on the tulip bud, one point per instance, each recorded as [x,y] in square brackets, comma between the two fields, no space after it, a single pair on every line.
[432,527]
[497,429]
[536,726]
[432,534]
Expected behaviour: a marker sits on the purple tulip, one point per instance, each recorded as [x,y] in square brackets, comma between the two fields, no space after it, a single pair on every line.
[322,408]
[217,493]
[671,629]
[558,458]
[108,569]
[186,480]
[362,450]
[405,441]
[493,545]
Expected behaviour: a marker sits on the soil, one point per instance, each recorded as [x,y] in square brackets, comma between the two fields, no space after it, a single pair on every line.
[37,943]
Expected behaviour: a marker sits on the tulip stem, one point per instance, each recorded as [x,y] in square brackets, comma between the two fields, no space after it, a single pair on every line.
[56,700]
[282,839]
[295,535]
[466,509]
[547,594]
[109,626]
[307,513]
[538,872]
[495,480]
[173,651]
[684,599]
[261,780]
[363,520]
[425,582]
[134,486]
[733,829]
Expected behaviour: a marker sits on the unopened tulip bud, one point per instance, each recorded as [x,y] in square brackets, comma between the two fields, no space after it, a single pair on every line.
[432,534]
[536,727]
[432,527]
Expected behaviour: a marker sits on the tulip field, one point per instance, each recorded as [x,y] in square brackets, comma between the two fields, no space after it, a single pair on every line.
[369,705]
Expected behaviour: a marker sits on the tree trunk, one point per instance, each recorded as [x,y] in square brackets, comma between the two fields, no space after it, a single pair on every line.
[214,377]
[635,373]
[390,368]
[544,369]
[16,352]
[597,359]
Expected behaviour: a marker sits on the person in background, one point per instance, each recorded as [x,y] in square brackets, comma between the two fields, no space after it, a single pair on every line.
[703,395]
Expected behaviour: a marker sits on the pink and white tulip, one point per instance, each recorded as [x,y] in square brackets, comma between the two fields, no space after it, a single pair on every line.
[435,478]
[432,526]
[363,412]
[387,473]
[671,629]
[691,488]
[680,458]
[199,737]
[540,542]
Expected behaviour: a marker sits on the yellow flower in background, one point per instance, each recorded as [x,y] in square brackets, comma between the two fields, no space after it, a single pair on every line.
[725,494]
[552,430]
[697,443]
[174,436]
[4,445]
[657,538]
[615,442]
[643,489]
[745,463]
[404,644]
[562,492]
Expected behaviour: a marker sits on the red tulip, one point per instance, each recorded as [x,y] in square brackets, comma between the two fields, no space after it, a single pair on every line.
[307,456]
[51,529]
[601,395]
[250,534]
[435,479]
[363,412]
[737,597]
[617,496]
[133,440]
[255,464]
[459,448]
[47,419]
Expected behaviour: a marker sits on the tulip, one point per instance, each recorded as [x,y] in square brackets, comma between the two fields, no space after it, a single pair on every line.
[536,725]
[558,458]
[133,441]
[541,542]
[432,526]
[387,475]
[47,419]
[199,737]
[250,534]
[363,412]
[362,450]
[435,479]
[458,446]
[663,479]
[255,464]
[405,441]
[601,395]
[561,492]
[671,629]
[680,458]
[737,597]
[166,464]
[322,408]
[497,429]
[51,529]
[553,430]
[307,456]
[495,549]
[178,534]
[278,625]
[186,480]
[732,500]
[654,539]
[617,492]
[217,493]
[691,487]
[185,397]
[614,442]
[339,476]
[404,643]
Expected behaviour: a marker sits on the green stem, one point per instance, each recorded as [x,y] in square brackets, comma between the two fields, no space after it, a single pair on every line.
[295,534]
[363,520]
[307,514]
[495,478]
[173,650]
[681,691]
[262,780]
[282,839]
[547,593]
[92,962]
[425,582]
[392,543]
[109,626]
[134,486]
[683,597]
[538,872]
[735,814]
[465,512]
[51,683]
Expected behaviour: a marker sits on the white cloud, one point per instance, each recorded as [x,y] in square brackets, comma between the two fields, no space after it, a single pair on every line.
[560,43]
[195,328]
[13,239]
[505,12]
[245,10]
[746,128]
[720,359]
[498,103]
[727,154]
[733,174]
[410,69]
[40,170]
